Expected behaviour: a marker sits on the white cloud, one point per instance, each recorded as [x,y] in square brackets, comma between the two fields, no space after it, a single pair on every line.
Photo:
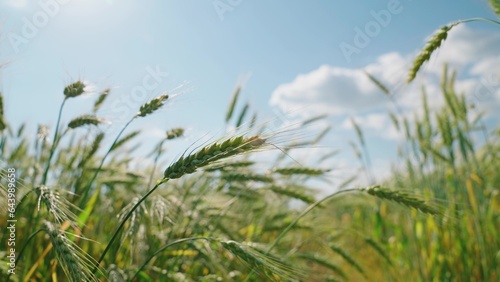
[19,4]
[466,47]
[340,91]
[378,123]
[373,121]
[337,90]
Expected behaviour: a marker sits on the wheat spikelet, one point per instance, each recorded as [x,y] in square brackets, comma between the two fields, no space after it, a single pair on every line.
[395,120]
[379,84]
[75,89]
[316,258]
[95,145]
[152,106]
[292,193]
[264,265]
[244,192]
[84,120]
[230,110]
[160,209]
[3,197]
[401,198]
[1,104]
[58,207]
[3,125]
[42,133]
[124,140]
[300,170]
[378,249]
[495,5]
[73,260]
[101,99]
[212,153]
[243,113]
[243,177]
[134,218]
[432,45]
[347,258]
[229,166]
[116,274]
[175,133]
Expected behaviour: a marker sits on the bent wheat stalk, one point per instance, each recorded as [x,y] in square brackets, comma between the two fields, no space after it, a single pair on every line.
[73,90]
[435,43]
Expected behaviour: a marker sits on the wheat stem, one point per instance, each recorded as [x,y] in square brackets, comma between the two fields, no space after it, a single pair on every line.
[164,247]
[24,247]
[125,218]
[304,213]
[435,43]
[87,189]
[54,143]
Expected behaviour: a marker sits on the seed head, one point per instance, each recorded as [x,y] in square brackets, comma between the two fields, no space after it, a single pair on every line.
[212,153]
[152,106]
[72,259]
[101,99]
[432,45]
[84,120]
[402,198]
[75,89]
[175,133]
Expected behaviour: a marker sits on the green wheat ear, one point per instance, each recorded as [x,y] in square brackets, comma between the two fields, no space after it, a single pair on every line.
[84,120]
[432,45]
[264,265]
[151,106]
[212,153]
[402,198]
[495,5]
[74,261]
[175,133]
[74,89]
[101,99]
[3,125]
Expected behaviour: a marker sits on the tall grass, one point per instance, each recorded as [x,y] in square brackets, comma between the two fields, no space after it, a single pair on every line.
[213,214]
[453,158]
[217,213]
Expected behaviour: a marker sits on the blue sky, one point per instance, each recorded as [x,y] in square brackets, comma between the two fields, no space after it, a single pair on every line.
[287,52]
